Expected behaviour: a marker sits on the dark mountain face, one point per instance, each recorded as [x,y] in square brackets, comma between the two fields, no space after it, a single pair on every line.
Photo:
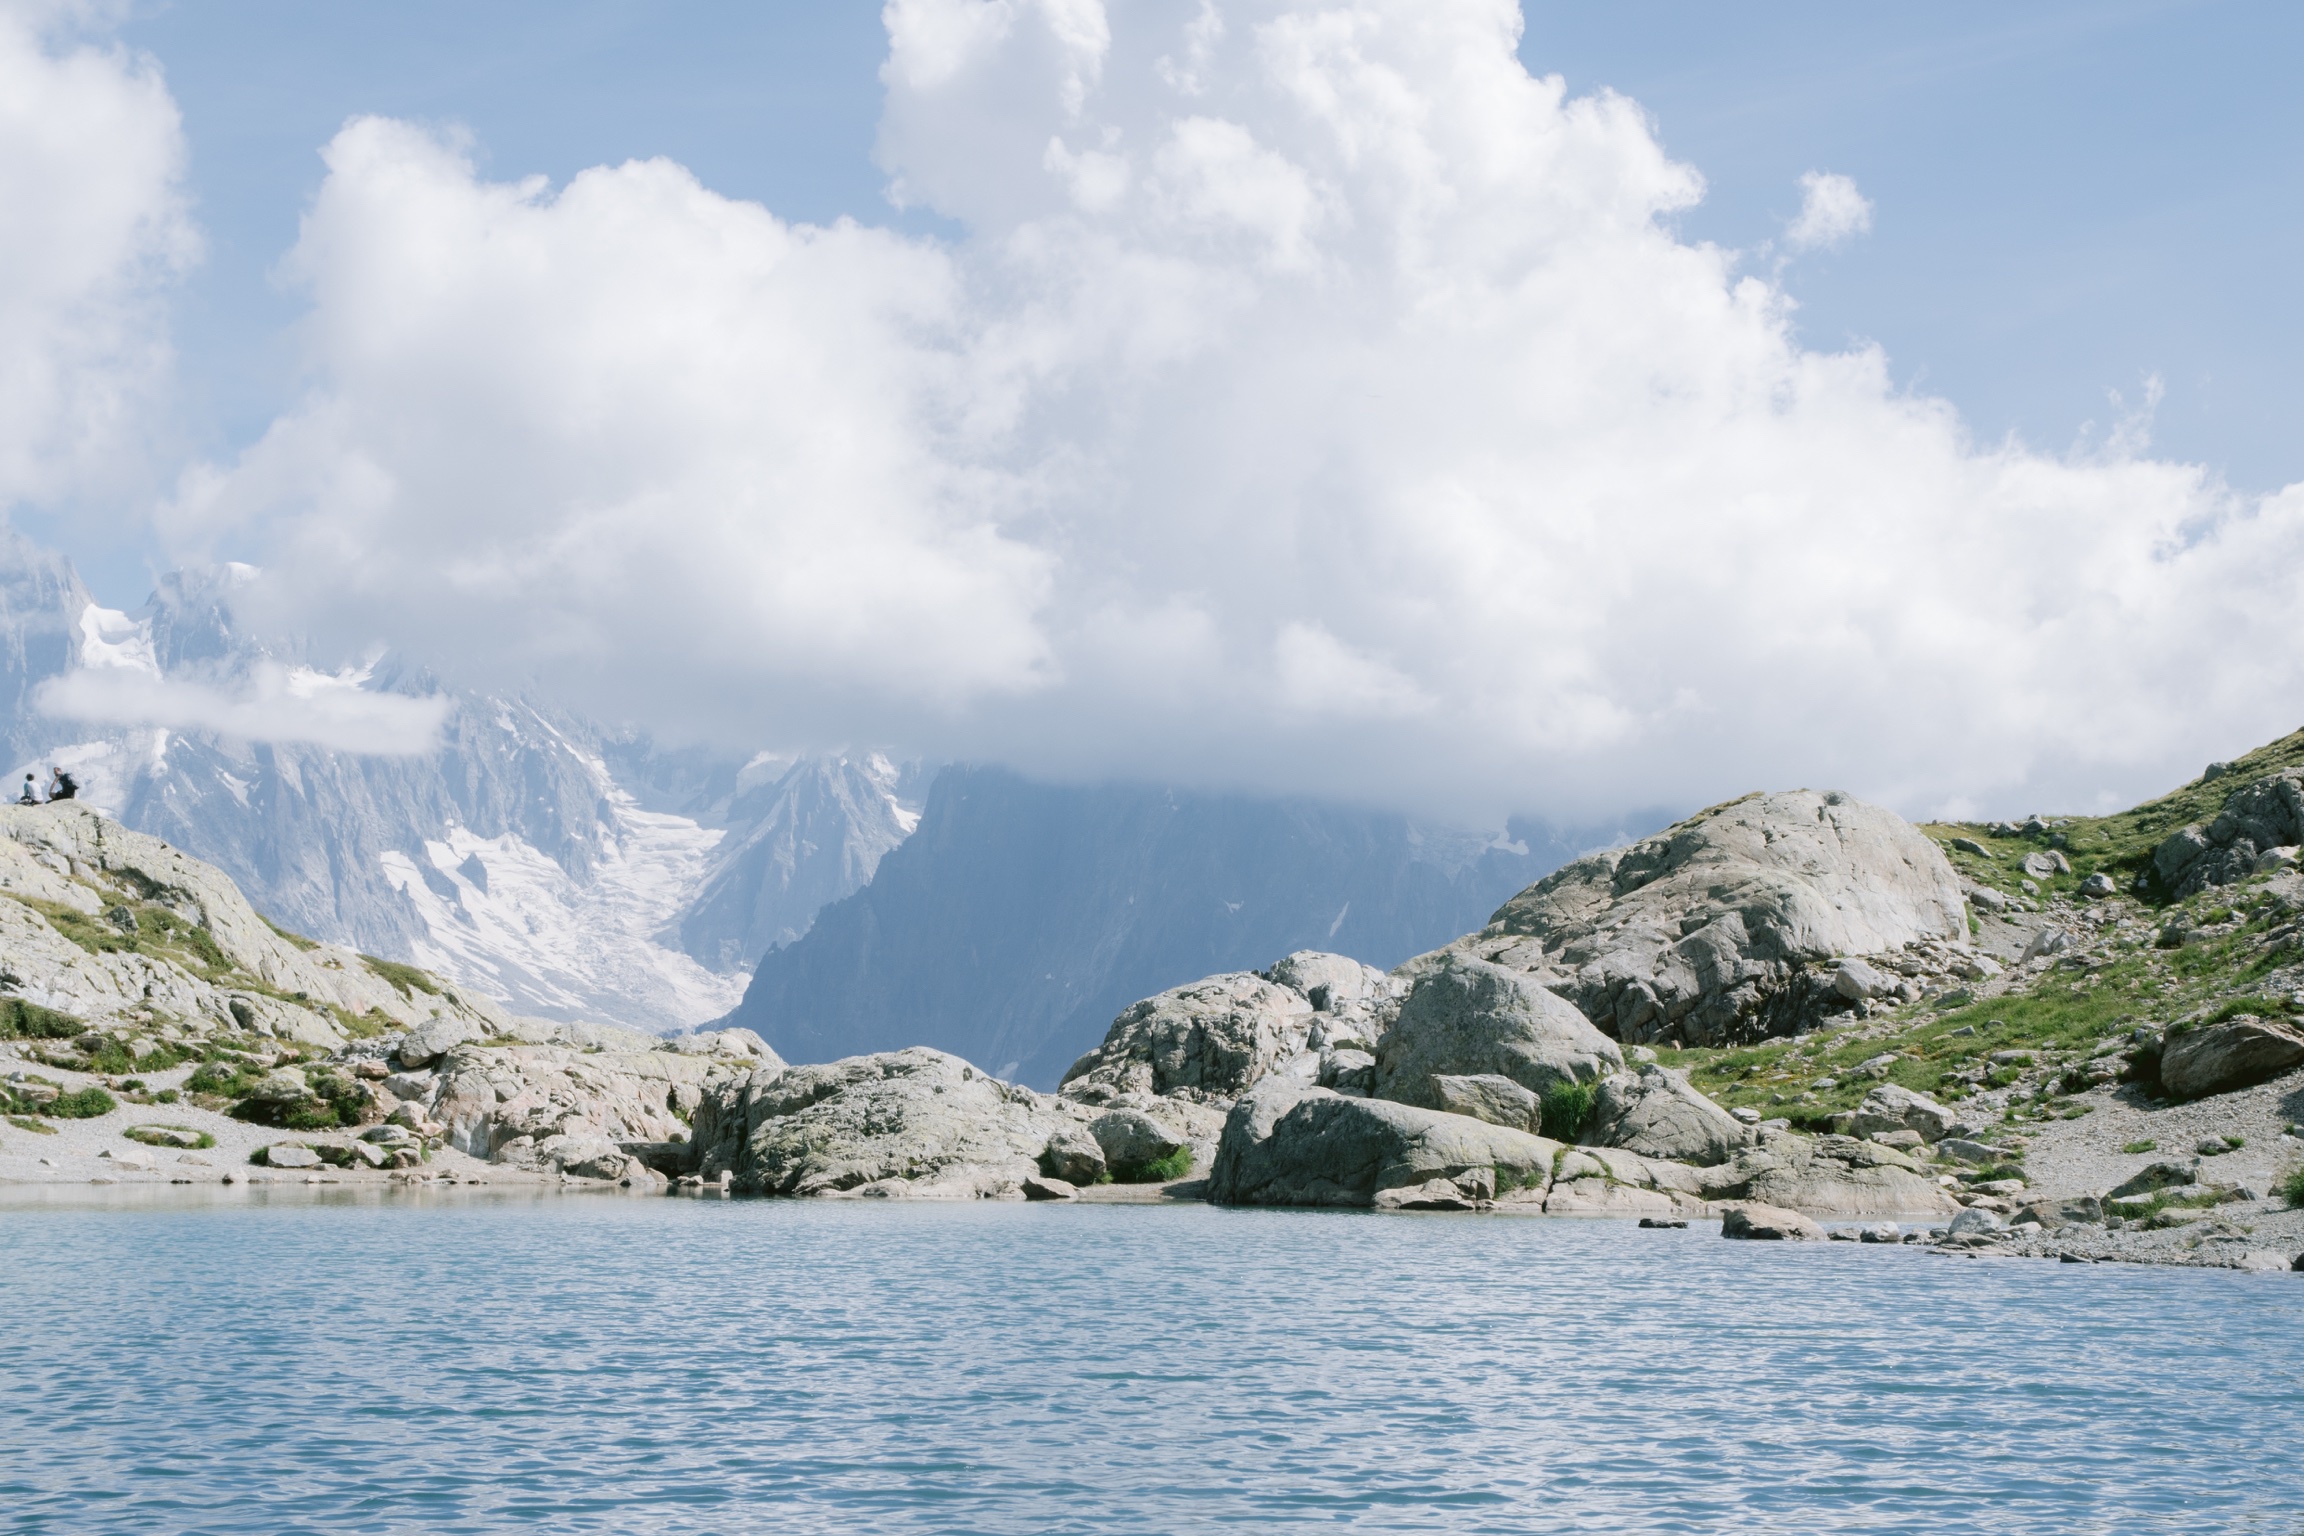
[1020,917]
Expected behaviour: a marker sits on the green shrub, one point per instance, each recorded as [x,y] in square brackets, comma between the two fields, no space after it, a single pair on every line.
[1159,1170]
[87,1104]
[2292,1187]
[1565,1109]
[21,1020]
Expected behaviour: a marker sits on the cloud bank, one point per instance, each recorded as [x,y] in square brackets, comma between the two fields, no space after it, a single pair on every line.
[93,234]
[1314,401]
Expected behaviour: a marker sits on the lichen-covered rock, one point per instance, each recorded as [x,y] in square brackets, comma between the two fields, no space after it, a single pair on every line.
[914,1123]
[2237,1053]
[1465,1017]
[1656,1112]
[1726,927]
[1291,1144]
[2257,817]
[1133,1141]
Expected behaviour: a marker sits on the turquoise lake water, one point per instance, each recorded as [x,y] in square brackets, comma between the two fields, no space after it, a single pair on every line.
[271,1364]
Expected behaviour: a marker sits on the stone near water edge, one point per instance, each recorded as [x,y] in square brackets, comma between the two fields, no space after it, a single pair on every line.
[1040,1187]
[1976,1221]
[1073,1156]
[1754,1222]
[1880,1232]
[1132,1140]
[2237,1053]
[1291,1144]
[1665,1223]
[1465,1017]
[1497,1100]
[369,1153]
[1658,1113]
[2075,1209]
[289,1154]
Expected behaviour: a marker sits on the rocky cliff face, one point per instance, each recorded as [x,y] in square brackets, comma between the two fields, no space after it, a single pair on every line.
[1020,917]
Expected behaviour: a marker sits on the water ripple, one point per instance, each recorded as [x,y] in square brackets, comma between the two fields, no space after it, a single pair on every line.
[677,1366]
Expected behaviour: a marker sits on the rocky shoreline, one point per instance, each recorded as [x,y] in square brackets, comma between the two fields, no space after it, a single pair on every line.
[159,1032]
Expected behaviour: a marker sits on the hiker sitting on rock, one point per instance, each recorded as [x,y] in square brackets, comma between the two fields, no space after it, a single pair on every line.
[30,796]
[61,785]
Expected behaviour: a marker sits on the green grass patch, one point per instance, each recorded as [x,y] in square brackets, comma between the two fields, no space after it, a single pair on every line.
[1159,1170]
[1566,1109]
[2292,1187]
[88,1104]
[27,1123]
[297,939]
[20,1020]
[2135,1147]
[405,979]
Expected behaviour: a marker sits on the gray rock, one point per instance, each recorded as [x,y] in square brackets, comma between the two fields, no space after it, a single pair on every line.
[1832,1175]
[1348,1071]
[1970,845]
[1880,1232]
[1891,1107]
[1466,1018]
[1132,1141]
[920,1116]
[1856,981]
[1497,1100]
[2046,863]
[289,1154]
[2154,1177]
[433,1039]
[2063,1213]
[2267,813]
[1902,1141]
[1656,1112]
[2099,884]
[1721,928]
[1073,1156]
[1977,1220]
[1286,1144]
[1987,898]
[2237,1053]
[1040,1187]
[1975,1153]
[1209,1041]
[1755,1222]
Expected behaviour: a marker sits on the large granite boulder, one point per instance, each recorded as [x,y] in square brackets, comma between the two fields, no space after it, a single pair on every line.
[2238,1053]
[1288,1144]
[1755,1222]
[911,1123]
[1728,926]
[1209,1040]
[2257,818]
[505,1101]
[1466,1018]
[1656,1112]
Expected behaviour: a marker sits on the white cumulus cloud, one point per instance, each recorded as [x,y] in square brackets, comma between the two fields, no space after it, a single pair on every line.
[93,234]
[1832,212]
[1315,400]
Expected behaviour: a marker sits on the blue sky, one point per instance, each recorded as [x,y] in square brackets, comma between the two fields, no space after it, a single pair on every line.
[1131,446]
[2069,198]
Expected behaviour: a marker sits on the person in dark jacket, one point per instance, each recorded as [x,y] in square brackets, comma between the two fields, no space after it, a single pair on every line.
[61,785]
